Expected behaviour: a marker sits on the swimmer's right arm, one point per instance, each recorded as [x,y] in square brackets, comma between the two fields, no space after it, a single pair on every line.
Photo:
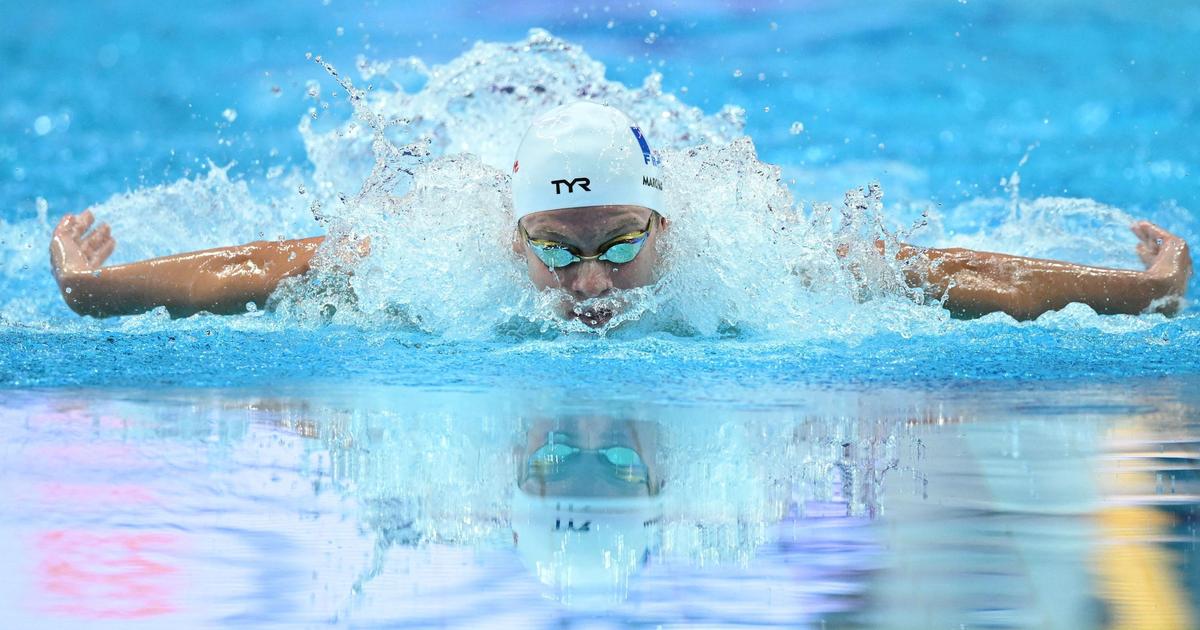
[221,281]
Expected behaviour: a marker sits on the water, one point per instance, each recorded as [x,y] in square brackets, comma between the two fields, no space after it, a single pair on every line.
[1062,506]
[835,453]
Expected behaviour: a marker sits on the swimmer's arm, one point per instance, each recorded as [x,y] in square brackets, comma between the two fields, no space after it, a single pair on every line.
[222,280]
[975,283]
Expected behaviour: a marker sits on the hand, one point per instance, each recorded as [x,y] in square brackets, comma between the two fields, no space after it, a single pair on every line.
[1166,257]
[74,250]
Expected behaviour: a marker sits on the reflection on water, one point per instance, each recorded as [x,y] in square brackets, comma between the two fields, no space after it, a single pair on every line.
[1147,562]
[103,576]
[1066,508]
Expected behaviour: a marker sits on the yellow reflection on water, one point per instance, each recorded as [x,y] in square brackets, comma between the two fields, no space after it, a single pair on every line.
[1136,575]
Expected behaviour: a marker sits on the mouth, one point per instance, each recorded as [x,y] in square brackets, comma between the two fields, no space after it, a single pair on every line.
[593,316]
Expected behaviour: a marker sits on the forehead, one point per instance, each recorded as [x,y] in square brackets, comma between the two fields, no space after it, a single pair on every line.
[589,222]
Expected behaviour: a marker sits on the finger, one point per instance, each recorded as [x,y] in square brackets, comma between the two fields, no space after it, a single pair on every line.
[72,227]
[1139,229]
[85,220]
[79,224]
[100,255]
[1143,252]
[94,245]
[1156,233]
[98,236]
[64,223]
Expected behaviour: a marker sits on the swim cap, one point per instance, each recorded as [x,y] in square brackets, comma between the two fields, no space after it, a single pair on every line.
[584,154]
[584,549]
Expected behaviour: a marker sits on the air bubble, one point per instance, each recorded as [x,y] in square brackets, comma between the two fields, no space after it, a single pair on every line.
[42,125]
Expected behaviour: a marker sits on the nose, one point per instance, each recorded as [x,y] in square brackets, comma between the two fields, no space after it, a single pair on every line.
[591,280]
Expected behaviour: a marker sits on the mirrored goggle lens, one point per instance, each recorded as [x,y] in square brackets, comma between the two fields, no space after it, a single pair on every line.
[627,464]
[622,456]
[623,252]
[554,257]
[550,455]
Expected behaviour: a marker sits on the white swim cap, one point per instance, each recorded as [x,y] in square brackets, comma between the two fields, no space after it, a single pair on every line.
[584,154]
[585,548]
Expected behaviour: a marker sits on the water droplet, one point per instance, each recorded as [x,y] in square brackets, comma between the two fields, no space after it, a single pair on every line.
[737,72]
[229,114]
[797,128]
[43,125]
[653,12]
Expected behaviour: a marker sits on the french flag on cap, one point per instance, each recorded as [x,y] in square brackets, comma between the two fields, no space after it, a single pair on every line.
[646,154]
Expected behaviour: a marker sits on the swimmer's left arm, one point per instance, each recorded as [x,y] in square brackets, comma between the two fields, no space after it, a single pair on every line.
[974,283]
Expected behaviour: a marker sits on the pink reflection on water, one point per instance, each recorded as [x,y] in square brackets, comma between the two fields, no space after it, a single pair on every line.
[106,576]
[109,496]
[81,455]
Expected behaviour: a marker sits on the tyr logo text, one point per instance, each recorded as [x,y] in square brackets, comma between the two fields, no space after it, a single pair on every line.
[582,182]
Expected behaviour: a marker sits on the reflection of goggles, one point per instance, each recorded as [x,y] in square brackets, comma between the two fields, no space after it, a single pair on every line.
[620,250]
[553,456]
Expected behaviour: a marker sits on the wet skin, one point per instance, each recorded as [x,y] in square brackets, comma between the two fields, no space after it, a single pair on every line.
[226,280]
[586,230]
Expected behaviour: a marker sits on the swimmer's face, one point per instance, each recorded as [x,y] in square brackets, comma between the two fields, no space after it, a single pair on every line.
[586,230]
[585,473]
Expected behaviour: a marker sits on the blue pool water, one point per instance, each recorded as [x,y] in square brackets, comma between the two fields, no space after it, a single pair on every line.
[833,457]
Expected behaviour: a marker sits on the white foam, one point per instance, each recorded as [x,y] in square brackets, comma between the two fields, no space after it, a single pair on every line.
[423,177]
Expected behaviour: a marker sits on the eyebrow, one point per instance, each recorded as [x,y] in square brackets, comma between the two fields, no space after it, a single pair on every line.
[549,235]
[621,230]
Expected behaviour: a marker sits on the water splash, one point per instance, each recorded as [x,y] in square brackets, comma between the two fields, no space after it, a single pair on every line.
[418,175]
[741,253]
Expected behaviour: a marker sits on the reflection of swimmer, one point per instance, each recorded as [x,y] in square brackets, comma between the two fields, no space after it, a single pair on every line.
[586,511]
[681,516]
[588,202]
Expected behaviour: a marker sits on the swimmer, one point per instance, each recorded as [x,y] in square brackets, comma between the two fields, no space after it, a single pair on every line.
[589,212]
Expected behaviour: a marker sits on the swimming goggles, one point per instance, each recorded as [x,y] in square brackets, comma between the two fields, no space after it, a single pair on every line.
[619,250]
[625,462]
